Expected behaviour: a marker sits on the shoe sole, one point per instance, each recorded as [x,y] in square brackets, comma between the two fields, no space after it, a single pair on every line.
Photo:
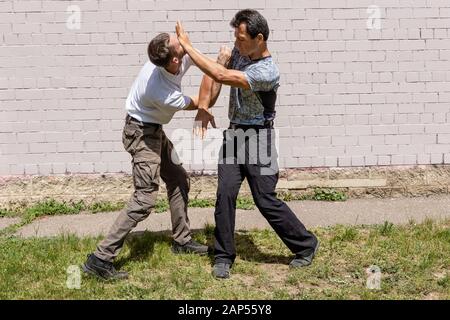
[220,278]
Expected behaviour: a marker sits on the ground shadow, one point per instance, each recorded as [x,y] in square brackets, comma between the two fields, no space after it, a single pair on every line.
[141,245]
[247,250]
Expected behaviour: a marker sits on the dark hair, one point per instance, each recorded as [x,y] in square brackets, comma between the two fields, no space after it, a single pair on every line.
[256,23]
[159,50]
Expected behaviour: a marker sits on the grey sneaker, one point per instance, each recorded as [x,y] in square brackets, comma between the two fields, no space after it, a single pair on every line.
[190,247]
[221,270]
[102,269]
[299,261]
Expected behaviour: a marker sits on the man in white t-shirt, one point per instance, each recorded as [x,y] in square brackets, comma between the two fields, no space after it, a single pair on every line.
[152,102]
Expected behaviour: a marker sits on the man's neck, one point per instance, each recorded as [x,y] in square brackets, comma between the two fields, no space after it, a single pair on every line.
[263,53]
[171,70]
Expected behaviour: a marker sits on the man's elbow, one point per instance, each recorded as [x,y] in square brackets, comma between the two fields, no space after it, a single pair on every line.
[220,77]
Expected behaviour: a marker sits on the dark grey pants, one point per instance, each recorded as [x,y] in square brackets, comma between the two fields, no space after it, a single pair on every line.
[152,154]
[262,181]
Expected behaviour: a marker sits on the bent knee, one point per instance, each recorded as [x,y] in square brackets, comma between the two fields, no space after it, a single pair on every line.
[141,204]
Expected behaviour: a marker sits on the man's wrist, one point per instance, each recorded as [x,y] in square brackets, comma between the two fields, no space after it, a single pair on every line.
[187,46]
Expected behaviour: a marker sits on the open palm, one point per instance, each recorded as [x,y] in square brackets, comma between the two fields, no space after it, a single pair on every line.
[202,120]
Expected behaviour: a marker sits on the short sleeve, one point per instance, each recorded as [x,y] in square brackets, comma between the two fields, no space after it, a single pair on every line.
[261,77]
[177,101]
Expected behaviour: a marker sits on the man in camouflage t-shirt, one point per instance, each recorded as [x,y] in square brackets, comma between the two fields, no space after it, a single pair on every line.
[246,106]
[254,80]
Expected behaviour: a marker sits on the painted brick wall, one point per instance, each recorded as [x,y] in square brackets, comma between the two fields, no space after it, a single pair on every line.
[351,94]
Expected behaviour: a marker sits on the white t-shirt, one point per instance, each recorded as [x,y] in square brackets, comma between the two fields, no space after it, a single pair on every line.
[156,93]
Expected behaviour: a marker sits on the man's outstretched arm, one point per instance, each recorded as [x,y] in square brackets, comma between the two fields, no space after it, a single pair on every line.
[210,89]
[206,101]
[209,92]
[214,70]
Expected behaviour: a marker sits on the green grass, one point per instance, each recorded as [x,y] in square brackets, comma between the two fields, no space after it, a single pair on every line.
[162,205]
[414,260]
[328,195]
[318,194]
[105,207]
[245,203]
[5,213]
[50,207]
[202,203]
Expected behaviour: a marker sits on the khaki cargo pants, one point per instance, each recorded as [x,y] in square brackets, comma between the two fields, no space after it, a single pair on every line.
[152,154]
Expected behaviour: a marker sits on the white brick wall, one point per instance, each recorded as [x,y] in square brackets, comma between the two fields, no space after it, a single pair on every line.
[350,96]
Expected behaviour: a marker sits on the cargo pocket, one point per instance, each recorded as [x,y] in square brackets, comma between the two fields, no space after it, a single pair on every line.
[129,140]
[146,176]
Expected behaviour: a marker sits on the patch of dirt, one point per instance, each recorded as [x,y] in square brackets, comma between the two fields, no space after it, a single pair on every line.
[279,273]
[247,280]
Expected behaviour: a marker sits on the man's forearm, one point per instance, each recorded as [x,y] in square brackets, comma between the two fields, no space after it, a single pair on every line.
[215,91]
[211,68]
[206,86]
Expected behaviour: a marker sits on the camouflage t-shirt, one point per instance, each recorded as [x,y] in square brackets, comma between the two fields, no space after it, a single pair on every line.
[253,107]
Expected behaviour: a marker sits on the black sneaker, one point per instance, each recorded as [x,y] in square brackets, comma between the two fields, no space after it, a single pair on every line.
[221,270]
[190,247]
[300,261]
[102,269]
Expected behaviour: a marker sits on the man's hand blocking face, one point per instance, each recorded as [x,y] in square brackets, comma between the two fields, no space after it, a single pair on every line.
[224,56]
[182,35]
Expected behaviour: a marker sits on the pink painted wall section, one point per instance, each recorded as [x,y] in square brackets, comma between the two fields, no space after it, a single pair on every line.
[363,83]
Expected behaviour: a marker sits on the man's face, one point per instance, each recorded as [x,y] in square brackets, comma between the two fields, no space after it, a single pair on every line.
[177,49]
[244,43]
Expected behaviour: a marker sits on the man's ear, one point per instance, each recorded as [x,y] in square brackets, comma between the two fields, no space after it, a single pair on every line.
[175,60]
[260,37]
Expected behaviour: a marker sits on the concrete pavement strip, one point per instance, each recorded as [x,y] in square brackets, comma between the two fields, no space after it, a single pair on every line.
[311,213]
